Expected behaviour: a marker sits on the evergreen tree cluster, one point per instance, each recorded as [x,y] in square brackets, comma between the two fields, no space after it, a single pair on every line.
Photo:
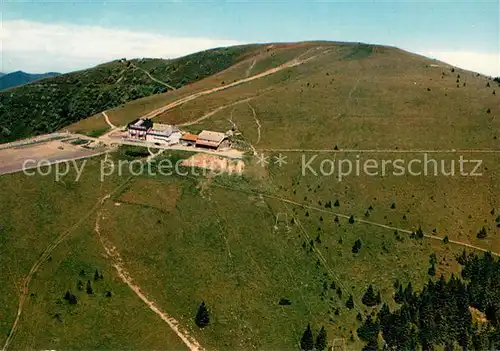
[71,298]
[483,277]
[307,341]
[440,316]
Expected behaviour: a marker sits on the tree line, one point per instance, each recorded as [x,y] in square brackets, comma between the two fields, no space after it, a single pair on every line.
[440,315]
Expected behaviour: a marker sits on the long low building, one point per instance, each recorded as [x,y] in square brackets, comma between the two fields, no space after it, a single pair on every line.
[163,134]
[210,139]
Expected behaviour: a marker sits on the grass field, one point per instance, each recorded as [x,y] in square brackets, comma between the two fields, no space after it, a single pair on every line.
[40,210]
[93,126]
[220,245]
[243,243]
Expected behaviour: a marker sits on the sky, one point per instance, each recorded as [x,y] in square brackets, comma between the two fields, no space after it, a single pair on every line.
[62,36]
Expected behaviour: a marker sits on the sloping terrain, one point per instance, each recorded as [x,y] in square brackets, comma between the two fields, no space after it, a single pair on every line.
[282,245]
[47,105]
[14,79]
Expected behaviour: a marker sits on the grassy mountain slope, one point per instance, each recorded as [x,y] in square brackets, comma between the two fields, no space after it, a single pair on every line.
[242,243]
[398,99]
[17,78]
[48,105]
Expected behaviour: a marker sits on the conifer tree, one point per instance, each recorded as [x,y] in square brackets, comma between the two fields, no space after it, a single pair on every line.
[89,288]
[307,342]
[408,292]
[349,303]
[72,299]
[419,233]
[432,270]
[369,330]
[482,233]
[399,296]
[202,318]
[357,246]
[321,339]
[369,298]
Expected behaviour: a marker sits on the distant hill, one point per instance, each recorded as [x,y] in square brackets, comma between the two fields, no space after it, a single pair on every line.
[14,79]
[47,105]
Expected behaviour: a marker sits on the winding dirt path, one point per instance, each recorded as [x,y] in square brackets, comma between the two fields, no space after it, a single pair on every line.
[292,63]
[257,122]
[249,69]
[46,253]
[125,276]
[213,112]
[151,77]
[107,120]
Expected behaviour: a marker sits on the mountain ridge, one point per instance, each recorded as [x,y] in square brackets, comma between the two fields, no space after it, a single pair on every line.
[18,78]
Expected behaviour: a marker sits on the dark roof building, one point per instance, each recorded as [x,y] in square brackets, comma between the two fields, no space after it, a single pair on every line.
[142,124]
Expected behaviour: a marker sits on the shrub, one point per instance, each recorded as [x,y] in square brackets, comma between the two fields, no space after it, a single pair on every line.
[284,302]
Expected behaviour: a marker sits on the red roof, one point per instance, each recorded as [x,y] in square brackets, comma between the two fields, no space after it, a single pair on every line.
[190,137]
